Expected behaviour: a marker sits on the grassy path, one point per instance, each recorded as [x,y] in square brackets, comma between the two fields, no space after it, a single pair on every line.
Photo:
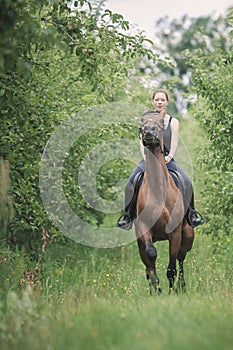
[107,306]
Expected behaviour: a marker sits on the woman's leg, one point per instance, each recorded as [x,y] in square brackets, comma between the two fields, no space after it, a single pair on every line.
[187,188]
[188,194]
[125,220]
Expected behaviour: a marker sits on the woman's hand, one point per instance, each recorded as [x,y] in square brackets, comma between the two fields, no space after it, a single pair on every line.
[167,158]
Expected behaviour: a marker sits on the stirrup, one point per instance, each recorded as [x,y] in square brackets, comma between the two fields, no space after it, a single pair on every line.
[199,220]
[124,222]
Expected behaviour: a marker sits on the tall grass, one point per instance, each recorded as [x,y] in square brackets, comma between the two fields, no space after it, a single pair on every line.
[103,302]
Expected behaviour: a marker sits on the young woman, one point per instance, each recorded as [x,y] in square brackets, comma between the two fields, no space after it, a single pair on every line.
[160,102]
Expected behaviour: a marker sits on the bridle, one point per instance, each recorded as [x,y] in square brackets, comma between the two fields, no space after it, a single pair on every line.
[149,137]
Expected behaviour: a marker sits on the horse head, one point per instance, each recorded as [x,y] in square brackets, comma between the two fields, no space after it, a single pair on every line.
[152,126]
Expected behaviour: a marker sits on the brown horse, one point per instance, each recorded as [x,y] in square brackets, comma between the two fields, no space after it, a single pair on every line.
[160,209]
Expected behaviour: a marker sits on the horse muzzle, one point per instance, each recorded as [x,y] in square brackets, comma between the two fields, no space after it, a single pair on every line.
[150,140]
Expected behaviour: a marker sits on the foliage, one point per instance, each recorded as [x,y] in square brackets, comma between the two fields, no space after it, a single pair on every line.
[177,35]
[212,80]
[55,61]
[92,297]
[172,38]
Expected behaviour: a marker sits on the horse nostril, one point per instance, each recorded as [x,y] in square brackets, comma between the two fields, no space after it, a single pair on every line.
[148,132]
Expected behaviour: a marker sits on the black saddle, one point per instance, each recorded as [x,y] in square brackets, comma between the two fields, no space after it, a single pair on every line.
[136,186]
[179,181]
[177,177]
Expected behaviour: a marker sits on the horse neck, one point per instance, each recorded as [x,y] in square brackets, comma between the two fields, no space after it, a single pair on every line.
[157,173]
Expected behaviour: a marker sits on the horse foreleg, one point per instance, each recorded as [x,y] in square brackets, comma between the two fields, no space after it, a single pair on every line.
[148,255]
[171,275]
[186,245]
[174,245]
[151,273]
[181,286]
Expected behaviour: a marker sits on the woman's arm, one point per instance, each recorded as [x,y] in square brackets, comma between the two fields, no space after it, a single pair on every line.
[142,147]
[175,126]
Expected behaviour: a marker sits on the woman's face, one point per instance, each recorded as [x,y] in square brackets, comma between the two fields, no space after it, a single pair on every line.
[160,101]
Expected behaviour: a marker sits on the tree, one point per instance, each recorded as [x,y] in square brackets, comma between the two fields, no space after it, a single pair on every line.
[212,82]
[172,38]
[56,61]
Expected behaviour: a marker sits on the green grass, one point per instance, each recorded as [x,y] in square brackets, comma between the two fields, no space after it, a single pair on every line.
[166,322]
[103,302]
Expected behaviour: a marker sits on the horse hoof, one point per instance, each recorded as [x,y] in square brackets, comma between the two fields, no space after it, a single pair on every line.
[155,290]
[181,290]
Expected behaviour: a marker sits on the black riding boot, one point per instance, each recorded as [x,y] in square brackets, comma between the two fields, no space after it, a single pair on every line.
[125,220]
[193,216]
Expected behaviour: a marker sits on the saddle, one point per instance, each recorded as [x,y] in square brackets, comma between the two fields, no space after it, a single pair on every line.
[176,176]
[179,181]
[136,186]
